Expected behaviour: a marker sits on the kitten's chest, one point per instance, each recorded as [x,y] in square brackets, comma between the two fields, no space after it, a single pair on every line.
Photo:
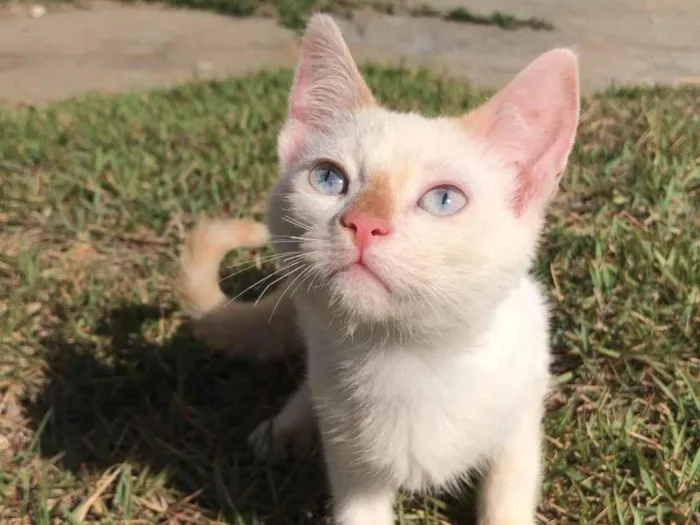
[424,422]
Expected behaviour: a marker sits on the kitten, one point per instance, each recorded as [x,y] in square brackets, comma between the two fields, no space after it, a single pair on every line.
[406,244]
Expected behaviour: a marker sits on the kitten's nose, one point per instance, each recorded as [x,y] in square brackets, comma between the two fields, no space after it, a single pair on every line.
[365,227]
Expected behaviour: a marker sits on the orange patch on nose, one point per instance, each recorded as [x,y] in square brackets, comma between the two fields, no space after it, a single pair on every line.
[376,199]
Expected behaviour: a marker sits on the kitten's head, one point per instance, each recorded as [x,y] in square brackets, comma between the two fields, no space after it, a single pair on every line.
[399,217]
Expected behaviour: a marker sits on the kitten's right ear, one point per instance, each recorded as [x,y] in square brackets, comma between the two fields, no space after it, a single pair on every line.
[327,87]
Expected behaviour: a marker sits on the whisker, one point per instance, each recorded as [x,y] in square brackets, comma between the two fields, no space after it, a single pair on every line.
[250,265]
[295,222]
[265,258]
[443,296]
[274,308]
[260,281]
[311,272]
[296,219]
[311,284]
[286,258]
[294,237]
[283,241]
[296,267]
[427,299]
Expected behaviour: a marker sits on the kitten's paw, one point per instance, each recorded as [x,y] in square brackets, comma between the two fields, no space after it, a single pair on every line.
[274,442]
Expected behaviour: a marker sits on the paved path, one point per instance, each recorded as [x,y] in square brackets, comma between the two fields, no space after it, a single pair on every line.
[112,47]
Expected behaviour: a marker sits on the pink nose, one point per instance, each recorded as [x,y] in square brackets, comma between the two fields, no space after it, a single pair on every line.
[365,228]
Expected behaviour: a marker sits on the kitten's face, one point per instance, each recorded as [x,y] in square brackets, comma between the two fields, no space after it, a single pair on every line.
[396,217]
[445,236]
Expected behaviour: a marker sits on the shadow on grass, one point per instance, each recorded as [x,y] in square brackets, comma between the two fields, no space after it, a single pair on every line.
[171,407]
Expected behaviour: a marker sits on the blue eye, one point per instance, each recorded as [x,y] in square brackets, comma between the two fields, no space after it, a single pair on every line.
[329,180]
[443,200]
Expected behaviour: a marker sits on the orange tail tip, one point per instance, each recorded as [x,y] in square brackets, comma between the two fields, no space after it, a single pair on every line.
[198,277]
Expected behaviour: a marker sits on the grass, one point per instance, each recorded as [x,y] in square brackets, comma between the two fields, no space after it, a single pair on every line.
[295,13]
[110,413]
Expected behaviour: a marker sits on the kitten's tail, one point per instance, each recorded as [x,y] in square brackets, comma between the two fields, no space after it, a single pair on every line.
[198,278]
[266,330]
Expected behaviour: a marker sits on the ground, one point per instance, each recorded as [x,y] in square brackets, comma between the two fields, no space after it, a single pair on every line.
[112,47]
[111,413]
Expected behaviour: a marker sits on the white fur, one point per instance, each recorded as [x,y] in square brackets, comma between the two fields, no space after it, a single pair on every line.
[446,375]
[422,415]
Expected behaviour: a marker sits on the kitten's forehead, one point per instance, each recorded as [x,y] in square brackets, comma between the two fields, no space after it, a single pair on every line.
[387,137]
[412,150]
[405,144]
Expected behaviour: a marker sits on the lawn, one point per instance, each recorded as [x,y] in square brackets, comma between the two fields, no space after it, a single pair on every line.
[110,412]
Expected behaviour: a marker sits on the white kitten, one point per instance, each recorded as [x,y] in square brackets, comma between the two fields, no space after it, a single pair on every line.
[407,243]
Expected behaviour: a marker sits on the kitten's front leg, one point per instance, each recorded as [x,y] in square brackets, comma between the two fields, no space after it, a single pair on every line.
[359,497]
[511,486]
[291,433]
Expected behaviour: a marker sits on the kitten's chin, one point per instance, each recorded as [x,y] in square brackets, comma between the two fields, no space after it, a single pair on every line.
[362,293]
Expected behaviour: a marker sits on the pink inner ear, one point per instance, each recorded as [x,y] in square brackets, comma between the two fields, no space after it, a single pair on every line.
[296,107]
[327,87]
[532,124]
[291,139]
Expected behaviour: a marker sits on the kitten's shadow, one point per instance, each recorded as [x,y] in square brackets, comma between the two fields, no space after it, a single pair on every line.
[163,403]
[166,404]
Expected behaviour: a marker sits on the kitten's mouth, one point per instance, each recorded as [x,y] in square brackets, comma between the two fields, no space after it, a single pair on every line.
[359,270]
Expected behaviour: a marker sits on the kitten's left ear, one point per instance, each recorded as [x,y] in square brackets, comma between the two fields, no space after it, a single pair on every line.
[327,87]
[531,123]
